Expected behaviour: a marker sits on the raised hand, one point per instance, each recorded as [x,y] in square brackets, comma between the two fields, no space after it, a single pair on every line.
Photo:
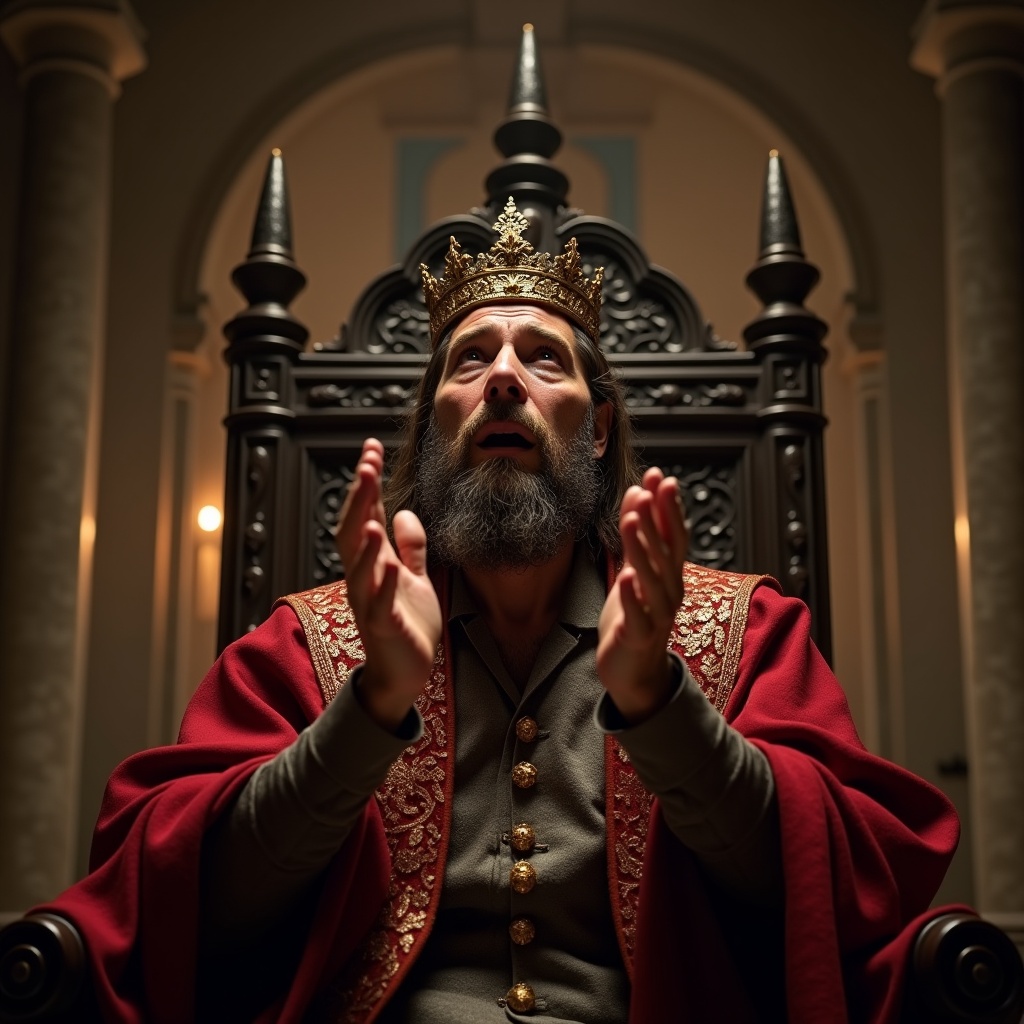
[641,606]
[394,602]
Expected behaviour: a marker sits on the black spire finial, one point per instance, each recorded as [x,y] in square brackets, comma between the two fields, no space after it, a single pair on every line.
[782,277]
[272,231]
[269,277]
[528,91]
[528,138]
[779,229]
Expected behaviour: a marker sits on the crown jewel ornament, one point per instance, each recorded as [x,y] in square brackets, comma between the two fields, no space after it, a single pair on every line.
[511,271]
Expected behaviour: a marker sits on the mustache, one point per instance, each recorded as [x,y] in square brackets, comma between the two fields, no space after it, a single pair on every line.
[506,412]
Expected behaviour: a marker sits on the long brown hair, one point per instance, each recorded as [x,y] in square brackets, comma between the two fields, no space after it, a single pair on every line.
[618,468]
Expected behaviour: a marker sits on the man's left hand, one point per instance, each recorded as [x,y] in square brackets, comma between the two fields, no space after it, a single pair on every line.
[633,631]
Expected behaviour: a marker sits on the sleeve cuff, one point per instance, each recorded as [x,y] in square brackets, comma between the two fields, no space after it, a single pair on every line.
[676,741]
[610,720]
[349,744]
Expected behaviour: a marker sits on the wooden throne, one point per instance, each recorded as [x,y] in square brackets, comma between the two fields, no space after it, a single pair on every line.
[742,429]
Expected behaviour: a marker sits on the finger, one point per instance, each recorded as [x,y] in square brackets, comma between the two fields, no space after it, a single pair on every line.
[373,457]
[411,539]
[652,539]
[382,603]
[672,520]
[653,476]
[636,620]
[652,586]
[361,571]
[629,501]
[363,492]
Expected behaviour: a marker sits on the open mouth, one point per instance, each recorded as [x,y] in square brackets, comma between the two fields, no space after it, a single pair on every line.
[500,439]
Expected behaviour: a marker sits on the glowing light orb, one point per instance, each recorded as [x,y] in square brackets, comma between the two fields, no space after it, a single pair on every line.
[209,518]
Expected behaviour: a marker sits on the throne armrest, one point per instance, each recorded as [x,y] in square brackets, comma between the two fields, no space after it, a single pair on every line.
[42,970]
[964,970]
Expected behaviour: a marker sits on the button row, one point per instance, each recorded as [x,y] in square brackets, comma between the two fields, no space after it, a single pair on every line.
[520,998]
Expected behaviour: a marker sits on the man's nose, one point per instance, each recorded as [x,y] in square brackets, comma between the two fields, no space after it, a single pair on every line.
[505,382]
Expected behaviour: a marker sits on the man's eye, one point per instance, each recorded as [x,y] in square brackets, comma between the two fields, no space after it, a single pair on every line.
[470,355]
[546,355]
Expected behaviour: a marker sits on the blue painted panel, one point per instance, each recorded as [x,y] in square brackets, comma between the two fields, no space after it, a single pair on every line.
[617,155]
[414,158]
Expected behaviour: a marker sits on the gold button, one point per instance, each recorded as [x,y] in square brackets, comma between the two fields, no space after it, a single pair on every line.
[520,998]
[522,931]
[523,838]
[526,729]
[522,877]
[524,775]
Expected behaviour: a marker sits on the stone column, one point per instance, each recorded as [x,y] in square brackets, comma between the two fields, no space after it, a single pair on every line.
[976,52]
[72,57]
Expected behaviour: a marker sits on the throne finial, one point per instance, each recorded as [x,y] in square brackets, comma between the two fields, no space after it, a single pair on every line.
[269,277]
[527,92]
[781,275]
[779,229]
[528,138]
[272,230]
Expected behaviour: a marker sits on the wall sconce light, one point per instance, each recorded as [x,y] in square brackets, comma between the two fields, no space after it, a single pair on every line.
[209,518]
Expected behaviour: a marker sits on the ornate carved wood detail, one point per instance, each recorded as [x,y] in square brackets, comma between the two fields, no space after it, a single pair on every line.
[644,308]
[713,498]
[262,381]
[390,316]
[257,517]
[327,474]
[265,341]
[790,380]
[361,396]
[328,495]
[672,395]
[792,471]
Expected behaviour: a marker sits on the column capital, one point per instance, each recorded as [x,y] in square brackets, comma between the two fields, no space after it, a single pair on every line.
[99,38]
[956,37]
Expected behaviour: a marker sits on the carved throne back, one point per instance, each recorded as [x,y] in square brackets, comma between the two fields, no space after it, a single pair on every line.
[741,429]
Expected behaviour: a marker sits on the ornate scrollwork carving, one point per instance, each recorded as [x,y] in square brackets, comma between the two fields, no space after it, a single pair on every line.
[331,485]
[631,322]
[793,476]
[670,395]
[362,396]
[709,496]
[403,326]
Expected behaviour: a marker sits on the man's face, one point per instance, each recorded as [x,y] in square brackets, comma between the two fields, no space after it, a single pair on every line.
[512,372]
[507,470]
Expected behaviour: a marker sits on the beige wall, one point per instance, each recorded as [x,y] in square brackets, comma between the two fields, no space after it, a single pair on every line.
[710,86]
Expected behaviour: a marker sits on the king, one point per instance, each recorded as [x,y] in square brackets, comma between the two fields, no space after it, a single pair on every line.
[525,761]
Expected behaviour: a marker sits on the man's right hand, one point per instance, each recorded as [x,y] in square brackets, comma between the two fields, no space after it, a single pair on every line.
[394,602]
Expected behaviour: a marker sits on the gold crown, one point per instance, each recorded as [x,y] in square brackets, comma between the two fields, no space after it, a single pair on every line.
[512,272]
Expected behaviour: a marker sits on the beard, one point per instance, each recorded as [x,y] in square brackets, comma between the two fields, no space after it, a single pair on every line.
[496,514]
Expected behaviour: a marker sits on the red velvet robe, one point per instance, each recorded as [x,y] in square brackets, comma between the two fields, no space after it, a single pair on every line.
[864,843]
